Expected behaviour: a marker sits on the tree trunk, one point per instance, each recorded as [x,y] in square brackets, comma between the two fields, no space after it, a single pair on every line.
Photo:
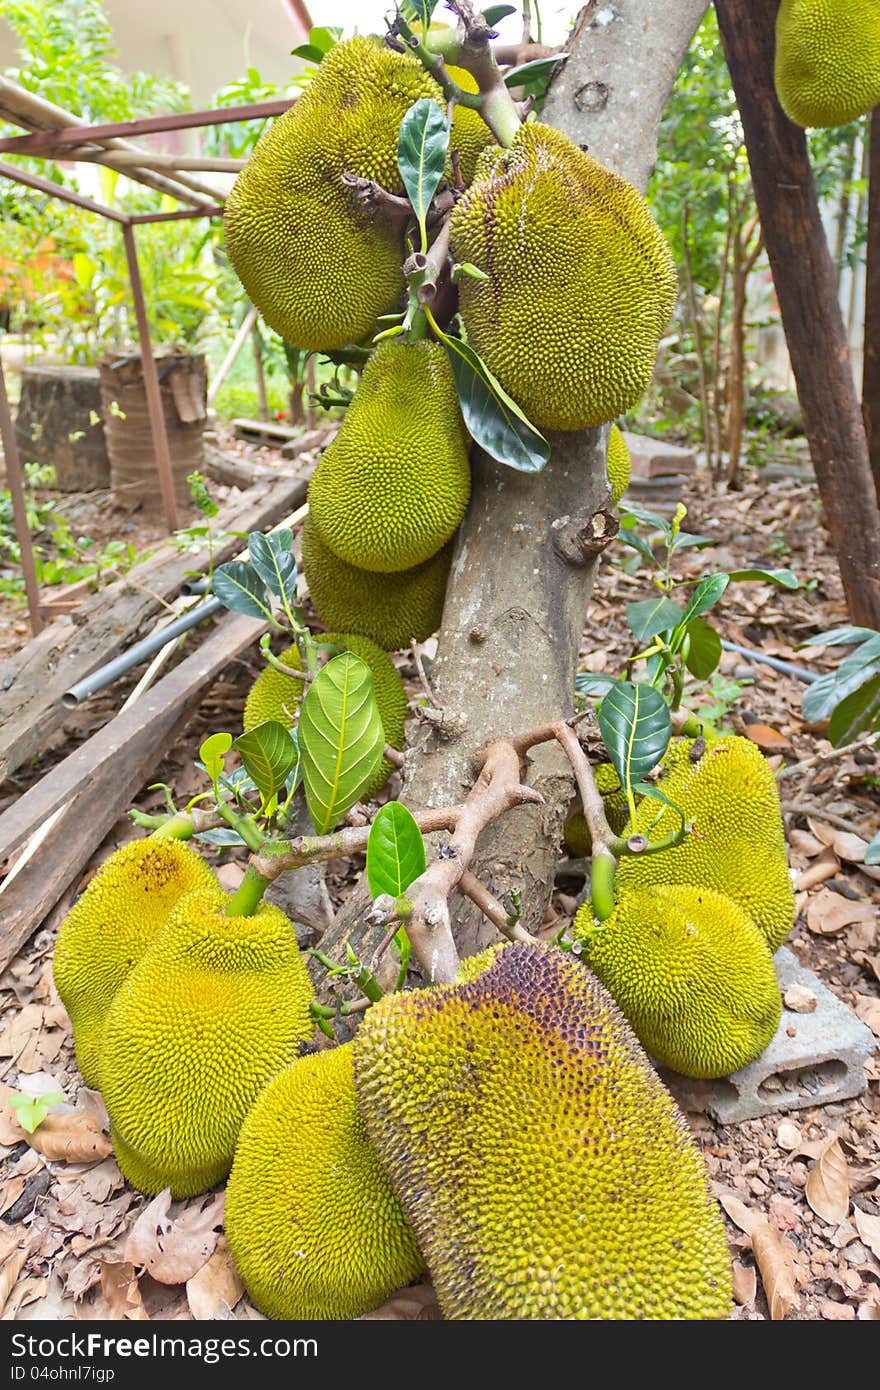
[871,376]
[806,286]
[523,571]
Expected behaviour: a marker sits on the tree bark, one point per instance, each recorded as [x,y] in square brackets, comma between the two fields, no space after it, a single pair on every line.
[871,375]
[806,286]
[523,568]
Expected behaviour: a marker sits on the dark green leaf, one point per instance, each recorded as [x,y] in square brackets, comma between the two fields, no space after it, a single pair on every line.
[495,13]
[418,11]
[268,752]
[786,579]
[652,615]
[395,851]
[632,537]
[534,71]
[309,53]
[705,595]
[272,558]
[239,587]
[212,752]
[421,156]
[648,519]
[220,835]
[340,739]
[635,726]
[687,538]
[493,419]
[858,714]
[592,683]
[704,650]
[840,637]
[829,690]
[872,853]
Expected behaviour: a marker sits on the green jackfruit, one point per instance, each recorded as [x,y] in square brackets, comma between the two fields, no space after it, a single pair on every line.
[470,135]
[690,971]
[110,927]
[217,1007]
[827,60]
[545,1170]
[275,696]
[576,834]
[318,266]
[730,797]
[393,486]
[619,464]
[313,1224]
[581,282]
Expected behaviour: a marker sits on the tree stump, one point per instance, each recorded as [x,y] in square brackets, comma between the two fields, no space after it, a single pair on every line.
[184,386]
[59,423]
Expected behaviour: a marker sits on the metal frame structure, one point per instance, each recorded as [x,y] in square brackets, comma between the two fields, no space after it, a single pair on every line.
[53,133]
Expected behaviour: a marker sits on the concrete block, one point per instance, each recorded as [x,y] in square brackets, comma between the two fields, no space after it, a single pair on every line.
[814,1059]
[654,458]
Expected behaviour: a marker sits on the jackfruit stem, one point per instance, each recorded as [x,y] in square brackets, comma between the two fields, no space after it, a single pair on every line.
[469,49]
[249,894]
[179,827]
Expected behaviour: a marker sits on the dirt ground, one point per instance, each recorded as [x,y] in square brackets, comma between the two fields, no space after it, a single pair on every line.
[801,1190]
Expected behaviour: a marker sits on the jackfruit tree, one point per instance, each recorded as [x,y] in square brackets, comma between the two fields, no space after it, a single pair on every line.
[502,294]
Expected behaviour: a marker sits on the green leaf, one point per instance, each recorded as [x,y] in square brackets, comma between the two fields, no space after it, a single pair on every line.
[705,596]
[268,753]
[31,1111]
[421,156]
[593,683]
[684,539]
[872,853]
[652,615]
[221,835]
[340,739]
[840,637]
[495,13]
[325,37]
[213,753]
[272,558]
[834,686]
[395,851]
[704,650]
[493,419]
[635,726]
[647,518]
[786,579]
[239,587]
[535,71]
[858,714]
[418,11]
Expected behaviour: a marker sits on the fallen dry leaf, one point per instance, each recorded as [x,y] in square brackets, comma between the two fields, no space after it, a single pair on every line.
[805,843]
[825,866]
[119,1287]
[837,1312]
[214,1291]
[868,1228]
[173,1251]
[774,1257]
[850,847]
[830,912]
[868,1010]
[768,738]
[827,1188]
[417,1304]
[745,1284]
[72,1138]
[12,1267]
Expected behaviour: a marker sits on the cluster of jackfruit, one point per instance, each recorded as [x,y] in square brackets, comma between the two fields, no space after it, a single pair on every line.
[687,952]
[827,64]
[508,1131]
[276,696]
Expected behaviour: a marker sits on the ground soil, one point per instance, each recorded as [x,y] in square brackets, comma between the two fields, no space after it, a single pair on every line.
[801,1190]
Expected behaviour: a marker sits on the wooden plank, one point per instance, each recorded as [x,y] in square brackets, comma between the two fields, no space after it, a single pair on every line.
[34,679]
[102,778]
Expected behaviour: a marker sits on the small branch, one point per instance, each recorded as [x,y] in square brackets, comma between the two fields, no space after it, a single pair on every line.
[601,835]
[828,755]
[394,756]
[812,808]
[390,206]
[278,857]
[489,905]
[425,270]
[416,648]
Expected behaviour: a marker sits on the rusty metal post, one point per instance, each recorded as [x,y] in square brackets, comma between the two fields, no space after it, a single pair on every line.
[15,484]
[151,382]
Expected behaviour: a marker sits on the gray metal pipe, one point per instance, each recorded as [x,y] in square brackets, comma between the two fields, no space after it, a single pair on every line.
[800,672]
[112,670]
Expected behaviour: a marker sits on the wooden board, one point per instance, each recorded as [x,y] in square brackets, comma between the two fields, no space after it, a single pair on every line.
[34,679]
[99,780]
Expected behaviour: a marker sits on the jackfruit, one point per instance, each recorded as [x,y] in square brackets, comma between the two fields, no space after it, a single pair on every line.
[827,60]
[274,696]
[392,487]
[545,1170]
[581,282]
[319,267]
[738,848]
[576,834]
[313,1224]
[392,609]
[217,1007]
[619,464]
[691,973]
[110,927]
[470,135]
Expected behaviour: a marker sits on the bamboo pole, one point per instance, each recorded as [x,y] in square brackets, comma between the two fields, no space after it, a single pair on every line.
[238,342]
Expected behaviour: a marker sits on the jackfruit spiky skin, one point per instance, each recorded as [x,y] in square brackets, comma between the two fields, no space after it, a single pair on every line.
[392,609]
[691,972]
[545,1169]
[619,464]
[581,284]
[393,486]
[470,135]
[217,1007]
[730,797]
[110,927]
[827,60]
[318,266]
[275,696]
[312,1221]
[576,834]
